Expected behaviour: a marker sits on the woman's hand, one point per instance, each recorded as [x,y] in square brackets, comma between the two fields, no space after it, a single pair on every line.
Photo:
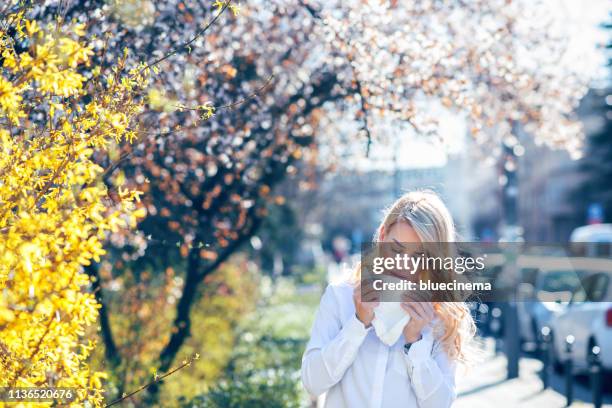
[421,314]
[364,305]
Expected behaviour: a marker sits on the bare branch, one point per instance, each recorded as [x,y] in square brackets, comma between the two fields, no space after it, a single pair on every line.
[187,44]
[156,379]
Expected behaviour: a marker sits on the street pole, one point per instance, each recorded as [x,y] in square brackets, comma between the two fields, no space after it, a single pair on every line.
[511,234]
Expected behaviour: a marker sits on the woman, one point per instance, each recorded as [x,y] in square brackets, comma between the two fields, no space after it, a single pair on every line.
[344,357]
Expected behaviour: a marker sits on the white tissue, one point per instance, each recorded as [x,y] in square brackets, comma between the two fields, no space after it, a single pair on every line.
[389,321]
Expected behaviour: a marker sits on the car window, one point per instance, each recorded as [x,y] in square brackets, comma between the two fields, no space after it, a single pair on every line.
[560,281]
[580,294]
[599,287]
[593,288]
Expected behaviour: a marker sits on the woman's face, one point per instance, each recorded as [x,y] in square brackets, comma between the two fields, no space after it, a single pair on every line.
[401,239]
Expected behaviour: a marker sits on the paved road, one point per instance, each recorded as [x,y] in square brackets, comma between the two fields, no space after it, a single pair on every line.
[485,385]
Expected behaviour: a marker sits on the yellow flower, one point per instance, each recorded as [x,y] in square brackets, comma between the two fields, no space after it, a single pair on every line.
[218,4]
[54,212]
[10,100]
[31,27]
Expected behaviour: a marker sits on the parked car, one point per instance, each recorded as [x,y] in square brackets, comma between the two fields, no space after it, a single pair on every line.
[592,240]
[546,287]
[588,319]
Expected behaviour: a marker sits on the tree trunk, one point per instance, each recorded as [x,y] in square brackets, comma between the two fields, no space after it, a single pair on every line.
[110,348]
[182,322]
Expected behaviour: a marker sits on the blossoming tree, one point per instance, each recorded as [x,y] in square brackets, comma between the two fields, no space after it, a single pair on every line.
[55,112]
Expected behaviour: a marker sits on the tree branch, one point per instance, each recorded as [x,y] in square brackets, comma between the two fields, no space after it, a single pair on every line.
[156,380]
[187,44]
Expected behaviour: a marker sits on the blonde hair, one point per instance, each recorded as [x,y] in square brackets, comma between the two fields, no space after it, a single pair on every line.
[433,223]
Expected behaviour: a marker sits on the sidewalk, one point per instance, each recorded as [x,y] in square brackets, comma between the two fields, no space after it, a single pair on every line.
[485,385]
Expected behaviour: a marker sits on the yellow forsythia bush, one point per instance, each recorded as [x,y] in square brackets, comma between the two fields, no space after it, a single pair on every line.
[56,112]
